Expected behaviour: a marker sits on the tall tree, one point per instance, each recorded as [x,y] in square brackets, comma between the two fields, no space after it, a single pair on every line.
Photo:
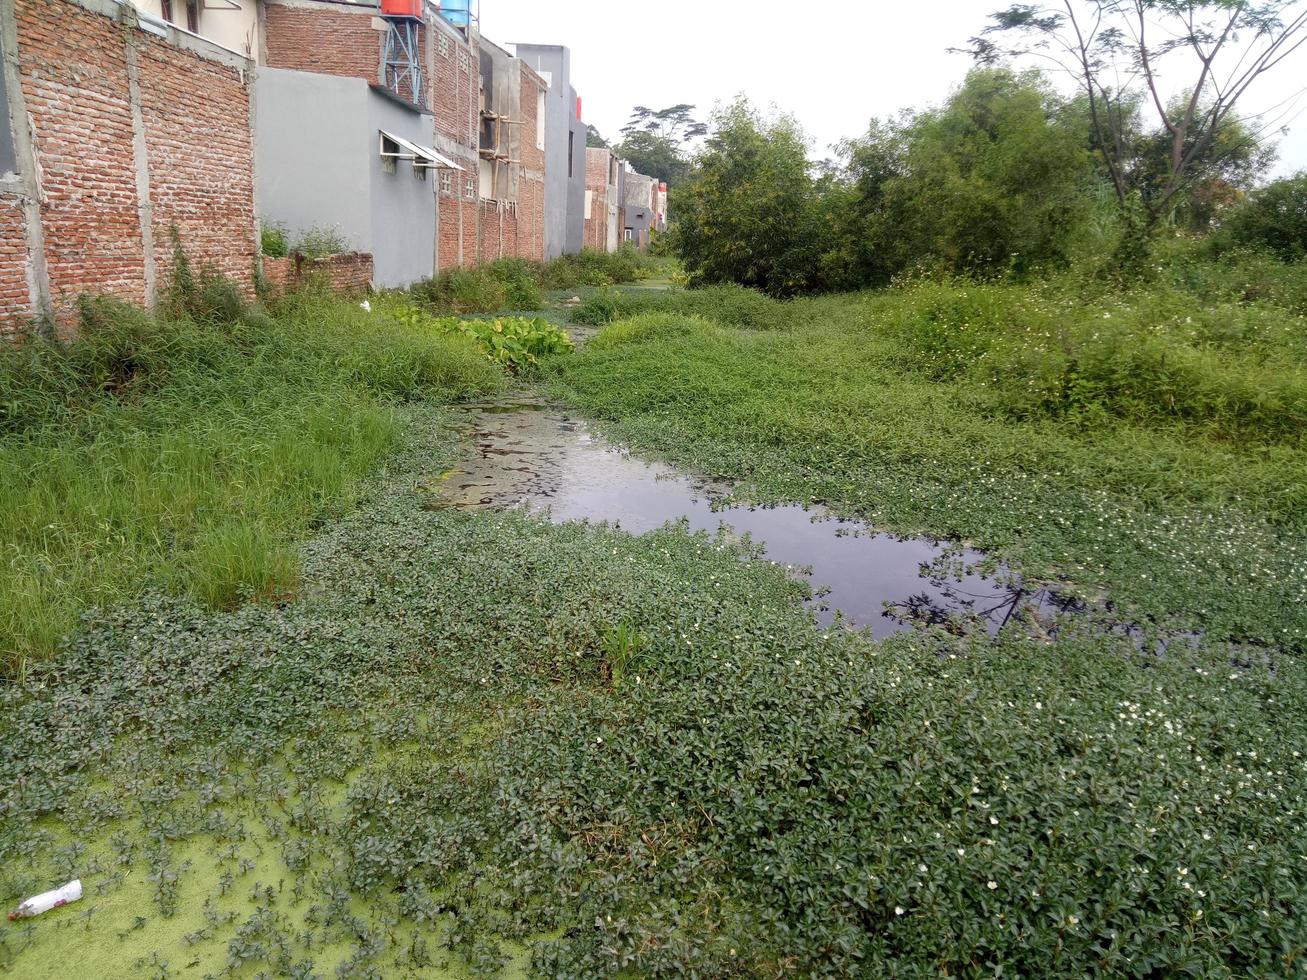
[657,142]
[748,211]
[1119,50]
[594,138]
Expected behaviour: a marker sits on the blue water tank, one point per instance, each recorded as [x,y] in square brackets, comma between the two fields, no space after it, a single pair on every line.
[457,12]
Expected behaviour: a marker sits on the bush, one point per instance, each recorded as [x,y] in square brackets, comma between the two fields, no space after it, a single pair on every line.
[520,281]
[591,268]
[321,241]
[460,291]
[273,241]
[1273,218]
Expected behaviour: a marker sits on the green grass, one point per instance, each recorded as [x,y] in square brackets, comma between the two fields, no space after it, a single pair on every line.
[476,743]
[566,749]
[190,454]
[1146,444]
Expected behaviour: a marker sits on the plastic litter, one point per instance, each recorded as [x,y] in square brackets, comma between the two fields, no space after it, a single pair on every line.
[46,901]
[366,305]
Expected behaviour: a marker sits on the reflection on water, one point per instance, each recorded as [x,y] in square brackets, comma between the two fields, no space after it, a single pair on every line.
[530,454]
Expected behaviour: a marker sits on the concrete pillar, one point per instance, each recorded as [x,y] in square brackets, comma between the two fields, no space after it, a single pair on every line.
[26,183]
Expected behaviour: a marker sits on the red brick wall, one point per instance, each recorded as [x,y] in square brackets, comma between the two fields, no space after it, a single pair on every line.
[14,303]
[196,128]
[201,153]
[349,272]
[530,187]
[324,39]
[74,69]
[455,87]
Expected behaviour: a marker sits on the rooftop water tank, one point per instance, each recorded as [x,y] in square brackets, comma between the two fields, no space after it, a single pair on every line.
[401,8]
[457,12]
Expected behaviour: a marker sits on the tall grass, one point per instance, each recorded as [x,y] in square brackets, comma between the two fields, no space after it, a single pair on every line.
[517,284]
[188,452]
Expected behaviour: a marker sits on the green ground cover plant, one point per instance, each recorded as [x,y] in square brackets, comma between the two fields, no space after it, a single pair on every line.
[189,451]
[1145,443]
[481,744]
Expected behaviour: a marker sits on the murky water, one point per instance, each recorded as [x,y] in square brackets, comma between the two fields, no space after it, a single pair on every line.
[535,455]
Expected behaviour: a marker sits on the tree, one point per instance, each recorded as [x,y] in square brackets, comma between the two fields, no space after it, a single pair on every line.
[1272,218]
[748,211]
[654,156]
[1118,50]
[657,141]
[998,178]
[594,138]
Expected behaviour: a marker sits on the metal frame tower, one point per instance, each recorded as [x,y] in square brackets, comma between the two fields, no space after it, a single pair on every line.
[402,61]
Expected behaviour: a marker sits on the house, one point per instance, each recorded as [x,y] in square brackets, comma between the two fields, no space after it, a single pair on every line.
[640,202]
[604,182]
[564,137]
[512,157]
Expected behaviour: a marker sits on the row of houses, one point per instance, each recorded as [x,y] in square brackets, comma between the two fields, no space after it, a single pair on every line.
[135,127]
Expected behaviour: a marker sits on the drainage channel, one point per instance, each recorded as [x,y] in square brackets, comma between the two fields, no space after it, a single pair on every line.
[534,455]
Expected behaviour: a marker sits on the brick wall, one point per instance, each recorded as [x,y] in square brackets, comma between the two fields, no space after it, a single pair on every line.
[15,304]
[330,40]
[531,180]
[115,111]
[200,147]
[349,272]
[74,71]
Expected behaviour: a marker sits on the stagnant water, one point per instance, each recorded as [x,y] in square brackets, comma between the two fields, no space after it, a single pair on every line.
[533,454]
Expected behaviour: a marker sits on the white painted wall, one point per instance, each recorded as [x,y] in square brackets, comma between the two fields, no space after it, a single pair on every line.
[232,23]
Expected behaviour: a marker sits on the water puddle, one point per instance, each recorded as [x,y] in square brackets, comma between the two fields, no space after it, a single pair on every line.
[535,455]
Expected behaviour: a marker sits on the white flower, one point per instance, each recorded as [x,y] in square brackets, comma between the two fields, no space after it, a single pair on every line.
[993,820]
[992,885]
[899,910]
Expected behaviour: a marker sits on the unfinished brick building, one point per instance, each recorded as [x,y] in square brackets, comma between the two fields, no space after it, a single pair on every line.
[604,182]
[119,135]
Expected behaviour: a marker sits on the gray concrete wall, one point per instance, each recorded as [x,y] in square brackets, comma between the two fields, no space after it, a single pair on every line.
[637,198]
[317,165]
[403,206]
[574,234]
[554,62]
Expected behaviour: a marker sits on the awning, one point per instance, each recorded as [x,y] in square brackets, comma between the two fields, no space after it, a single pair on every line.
[422,156]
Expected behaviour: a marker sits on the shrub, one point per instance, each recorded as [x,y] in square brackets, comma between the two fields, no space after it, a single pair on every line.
[519,279]
[518,343]
[321,241]
[592,268]
[273,241]
[1273,218]
[460,291]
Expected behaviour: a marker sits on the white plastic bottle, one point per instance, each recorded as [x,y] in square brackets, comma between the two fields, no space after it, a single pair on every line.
[46,901]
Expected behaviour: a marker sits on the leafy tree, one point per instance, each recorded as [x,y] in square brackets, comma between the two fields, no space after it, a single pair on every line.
[997,178]
[654,156]
[748,212]
[1117,50]
[656,142]
[1272,218]
[594,138]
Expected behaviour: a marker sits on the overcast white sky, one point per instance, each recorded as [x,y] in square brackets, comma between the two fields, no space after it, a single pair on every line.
[834,65]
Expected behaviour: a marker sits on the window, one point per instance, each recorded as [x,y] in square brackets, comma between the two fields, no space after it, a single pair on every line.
[470,188]
[447,182]
[192,8]
[571,148]
[630,234]
[589,203]
[462,59]
[442,44]
[389,154]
